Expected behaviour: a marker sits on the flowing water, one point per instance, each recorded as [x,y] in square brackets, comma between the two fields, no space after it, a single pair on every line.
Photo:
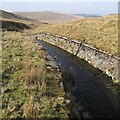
[87,90]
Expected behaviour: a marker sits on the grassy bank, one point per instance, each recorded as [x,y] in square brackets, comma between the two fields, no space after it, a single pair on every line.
[19,25]
[26,81]
[30,88]
[101,32]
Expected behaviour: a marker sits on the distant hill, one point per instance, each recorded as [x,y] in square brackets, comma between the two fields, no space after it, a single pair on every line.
[47,16]
[86,15]
[8,15]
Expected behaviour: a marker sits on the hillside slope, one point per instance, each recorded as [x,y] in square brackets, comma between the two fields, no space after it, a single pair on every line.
[101,32]
[8,15]
[12,22]
[47,16]
[13,26]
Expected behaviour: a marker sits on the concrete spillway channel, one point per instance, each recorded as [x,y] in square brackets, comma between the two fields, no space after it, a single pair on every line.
[86,87]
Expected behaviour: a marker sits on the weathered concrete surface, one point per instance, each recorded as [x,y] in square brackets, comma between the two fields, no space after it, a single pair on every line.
[98,58]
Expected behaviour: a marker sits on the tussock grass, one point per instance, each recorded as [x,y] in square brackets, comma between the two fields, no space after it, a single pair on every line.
[26,83]
[31,108]
[34,76]
[23,75]
[101,32]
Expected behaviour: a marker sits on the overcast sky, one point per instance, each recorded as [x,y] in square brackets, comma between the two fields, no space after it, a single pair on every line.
[65,6]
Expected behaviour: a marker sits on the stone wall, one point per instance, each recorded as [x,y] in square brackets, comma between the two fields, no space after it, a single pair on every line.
[98,58]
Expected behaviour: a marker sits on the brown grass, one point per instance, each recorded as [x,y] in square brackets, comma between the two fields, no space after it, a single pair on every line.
[26,81]
[101,32]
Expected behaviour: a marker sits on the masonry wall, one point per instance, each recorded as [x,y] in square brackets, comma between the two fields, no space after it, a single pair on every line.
[98,58]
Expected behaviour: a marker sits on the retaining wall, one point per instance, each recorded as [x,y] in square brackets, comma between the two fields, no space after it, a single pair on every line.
[98,58]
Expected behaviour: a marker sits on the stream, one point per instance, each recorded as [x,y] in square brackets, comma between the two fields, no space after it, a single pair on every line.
[85,86]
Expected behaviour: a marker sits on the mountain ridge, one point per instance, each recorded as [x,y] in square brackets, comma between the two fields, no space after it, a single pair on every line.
[9,15]
[47,16]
